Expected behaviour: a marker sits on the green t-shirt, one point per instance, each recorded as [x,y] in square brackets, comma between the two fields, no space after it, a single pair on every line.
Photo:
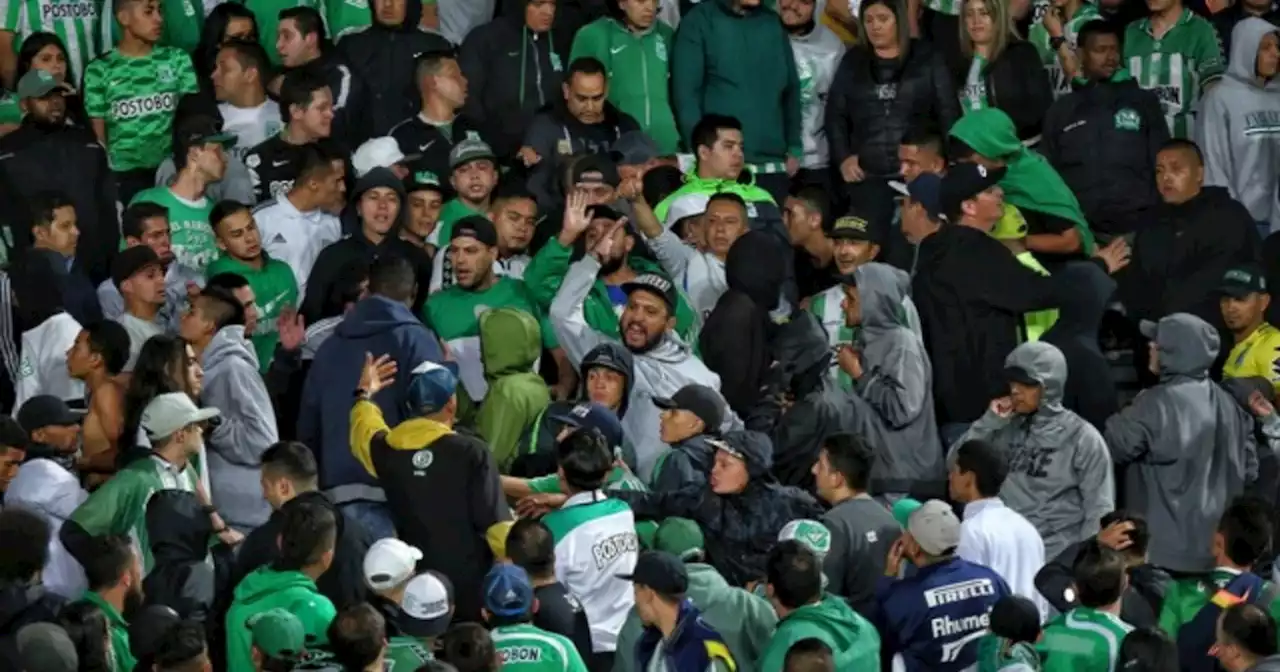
[344,17]
[407,654]
[1039,36]
[452,211]
[526,647]
[973,95]
[193,241]
[1176,66]
[274,289]
[1185,598]
[267,15]
[136,98]
[75,22]
[1082,639]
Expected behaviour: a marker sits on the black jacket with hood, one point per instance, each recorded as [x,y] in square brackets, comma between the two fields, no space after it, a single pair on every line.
[384,58]
[1091,389]
[1140,604]
[873,102]
[180,578]
[351,124]
[1017,85]
[555,133]
[20,606]
[512,72]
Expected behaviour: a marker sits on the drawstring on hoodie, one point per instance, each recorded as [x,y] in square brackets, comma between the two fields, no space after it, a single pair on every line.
[524,60]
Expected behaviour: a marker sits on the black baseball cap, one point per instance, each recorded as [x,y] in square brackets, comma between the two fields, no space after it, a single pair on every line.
[633,148]
[659,571]
[963,182]
[853,227]
[1244,280]
[1017,374]
[596,169]
[925,190]
[132,260]
[200,129]
[649,282]
[605,212]
[699,400]
[46,410]
[475,226]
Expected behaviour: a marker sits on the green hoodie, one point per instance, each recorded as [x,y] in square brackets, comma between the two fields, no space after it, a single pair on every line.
[266,589]
[852,639]
[704,188]
[120,653]
[1029,181]
[510,344]
[274,289]
[638,69]
[546,272]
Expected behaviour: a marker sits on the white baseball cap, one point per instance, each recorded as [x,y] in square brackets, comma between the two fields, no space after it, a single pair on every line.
[427,604]
[168,413]
[381,152]
[390,562]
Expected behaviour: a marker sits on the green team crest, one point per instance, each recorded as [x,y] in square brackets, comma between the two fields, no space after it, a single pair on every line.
[660,48]
[808,89]
[164,73]
[1127,119]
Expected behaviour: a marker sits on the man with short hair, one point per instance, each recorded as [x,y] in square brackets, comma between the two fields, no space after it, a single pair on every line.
[1175,53]
[13,450]
[296,226]
[98,358]
[509,610]
[426,197]
[1245,639]
[114,572]
[531,546]
[473,175]
[148,224]
[805,216]
[138,275]
[971,196]
[300,40]
[357,640]
[674,629]
[307,105]
[514,214]
[700,274]
[1256,346]
[1089,636]
[690,421]
[54,236]
[22,577]
[432,133]
[240,85]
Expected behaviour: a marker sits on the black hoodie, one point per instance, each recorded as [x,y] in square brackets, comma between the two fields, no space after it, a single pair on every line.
[384,57]
[20,606]
[555,133]
[1090,390]
[180,578]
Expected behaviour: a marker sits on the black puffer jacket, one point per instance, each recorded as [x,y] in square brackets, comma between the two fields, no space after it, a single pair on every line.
[1017,85]
[873,102]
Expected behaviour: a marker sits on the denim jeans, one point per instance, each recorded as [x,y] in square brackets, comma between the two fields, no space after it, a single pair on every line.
[374,517]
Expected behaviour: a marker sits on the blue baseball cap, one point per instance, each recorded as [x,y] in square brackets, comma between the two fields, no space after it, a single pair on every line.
[431,386]
[591,414]
[926,190]
[508,592]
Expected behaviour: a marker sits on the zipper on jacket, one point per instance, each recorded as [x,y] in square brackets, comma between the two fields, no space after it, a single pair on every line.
[644,73]
[537,70]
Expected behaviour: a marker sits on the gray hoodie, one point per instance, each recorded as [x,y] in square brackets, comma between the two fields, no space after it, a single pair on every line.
[1239,127]
[1188,445]
[248,427]
[659,372]
[1059,469]
[892,404]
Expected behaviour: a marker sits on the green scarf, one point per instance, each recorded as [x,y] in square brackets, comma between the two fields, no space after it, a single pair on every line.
[1029,181]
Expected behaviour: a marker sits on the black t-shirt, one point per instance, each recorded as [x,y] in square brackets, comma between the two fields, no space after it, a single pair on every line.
[1040,223]
[811,278]
[562,613]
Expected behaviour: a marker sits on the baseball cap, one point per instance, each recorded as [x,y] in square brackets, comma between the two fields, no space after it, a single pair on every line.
[699,400]
[475,226]
[753,448]
[201,129]
[610,356]
[633,148]
[278,634]
[508,592]
[605,212]
[38,84]
[431,386]
[132,260]
[926,190]
[852,227]
[1242,281]
[1018,374]
[427,605]
[470,149]
[1011,225]
[652,282]
[680,537]
[170,412]
[46,410]
[390,562]
[903,508]
[422,180]
[963,182]
[659,571]
[813,534]
[591,414]
[935,527]
[46,647]
[381,152]
[596,169]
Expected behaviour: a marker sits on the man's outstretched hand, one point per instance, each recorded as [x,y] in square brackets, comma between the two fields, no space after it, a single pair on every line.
[377,374]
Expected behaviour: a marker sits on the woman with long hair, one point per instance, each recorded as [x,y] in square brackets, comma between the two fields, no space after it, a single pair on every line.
[165,364]
[228,21]
[43,51]
[1000,70]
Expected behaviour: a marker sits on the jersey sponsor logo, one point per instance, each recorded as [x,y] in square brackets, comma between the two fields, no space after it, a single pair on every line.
[69,10]
[141,106]
[1127,119]
[520,654]
[959,592]
[608,550]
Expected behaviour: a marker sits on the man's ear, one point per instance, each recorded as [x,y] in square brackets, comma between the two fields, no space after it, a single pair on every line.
[671,323]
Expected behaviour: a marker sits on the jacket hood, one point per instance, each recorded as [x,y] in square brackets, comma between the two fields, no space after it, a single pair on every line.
[417,433]
[510,342]
[412,18]
[881,289]
[1187,344]
[375,315]
[704,579]
[1242,65]
[756,266]
[989,132]
[1080,311]
[265,583]
[1044,364]
[831,617]
[669,350]
[614,356]
[177,528]
[45,486]
[229,343]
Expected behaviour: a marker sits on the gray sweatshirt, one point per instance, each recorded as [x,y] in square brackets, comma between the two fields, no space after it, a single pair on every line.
[1238,128]
[1059,470]
[232,385]
[817,54]
[1188,445]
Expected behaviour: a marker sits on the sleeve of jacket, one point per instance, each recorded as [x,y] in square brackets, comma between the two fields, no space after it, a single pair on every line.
[985,428]
[248,424]
[473,60]
[838,119]
[105,201]
[1028,115]
[1012,287]
[654,505]
[309,414]
[1154,122]
[576,337]
[488,505]
[688,73]
[898,389]
[1213,133]
[676,473]
[546,271]
[319,283]
[1052,129]
[366,424]
[946,101]
[1095,474]
[672,254]
[542,135]
[1055,579]
[759,622]
[1131,433]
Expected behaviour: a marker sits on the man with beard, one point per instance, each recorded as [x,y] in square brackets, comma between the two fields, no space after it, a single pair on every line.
[148,224]
[453,312]
[473,176]
[514,215]
[663,362]
[300,41]
[432,133]
[115,586]
[46,153]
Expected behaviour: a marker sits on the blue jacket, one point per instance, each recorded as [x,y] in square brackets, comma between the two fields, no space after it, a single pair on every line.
[375,325]
[693,646]
[935,618]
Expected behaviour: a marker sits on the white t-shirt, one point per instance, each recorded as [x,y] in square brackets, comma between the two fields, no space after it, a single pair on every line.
[251,125]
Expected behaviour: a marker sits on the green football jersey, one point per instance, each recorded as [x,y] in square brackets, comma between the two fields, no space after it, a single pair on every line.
[193,241]
[1175,66]
[75,22]
[274,289]
[525,647]
[1082,639]
[973,95]
[406,654]
[1039,36]
[136,98]
[344,17]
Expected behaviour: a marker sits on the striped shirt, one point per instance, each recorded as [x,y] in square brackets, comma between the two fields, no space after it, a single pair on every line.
[1083,639]
[75,22]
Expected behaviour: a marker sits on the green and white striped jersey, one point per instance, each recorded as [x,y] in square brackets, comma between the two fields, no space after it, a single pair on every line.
[973,95]
[825,306]
[1176,66]
[1039,36]
[75,22]
[526,647]
[1082,639]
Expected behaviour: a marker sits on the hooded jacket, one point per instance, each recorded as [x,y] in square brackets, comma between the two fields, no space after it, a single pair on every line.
[185,577]
[555,134]
[1139,606]
[384,58]
[693,645]
[1059,470]
[45,487]
[20,606]
[638,66]
[267,589]
[1188,445]
[688,463]
[375,324]
[510,344]
[1238,128]
[666,367]
[1090,389]
[233,385]
[853,640]
[745,621]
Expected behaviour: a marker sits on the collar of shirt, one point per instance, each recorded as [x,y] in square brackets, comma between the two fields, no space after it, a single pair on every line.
[978,506]
[1229,570]
[587,497]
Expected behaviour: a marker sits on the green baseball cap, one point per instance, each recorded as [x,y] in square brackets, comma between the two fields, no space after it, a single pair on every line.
[811,533]
[903,508]
[680,537]
[38,84]
[278,633]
